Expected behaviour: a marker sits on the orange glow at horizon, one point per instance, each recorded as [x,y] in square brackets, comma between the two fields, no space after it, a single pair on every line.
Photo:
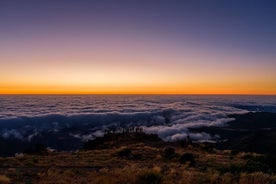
[141,81]
[139,89]
[150,69]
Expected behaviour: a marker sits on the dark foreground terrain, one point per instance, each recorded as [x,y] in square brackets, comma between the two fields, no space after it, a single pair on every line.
[138,158]
[251,132]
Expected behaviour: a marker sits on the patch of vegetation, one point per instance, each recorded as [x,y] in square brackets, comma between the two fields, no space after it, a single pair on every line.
[28,181]
[98,143]
[183,143]
[264,163]
[137,156]
[187,157]
[231,168]
[37,149]
[208,147]
[169,153]
[125,152]
[254,166]
[29,162]
[234,152]
[150,177]
[247,156]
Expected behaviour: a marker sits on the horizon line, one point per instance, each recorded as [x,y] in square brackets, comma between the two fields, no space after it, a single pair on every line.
[163,94]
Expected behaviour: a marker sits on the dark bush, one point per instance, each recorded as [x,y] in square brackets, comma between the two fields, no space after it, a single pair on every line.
[37,149]
[254,166]
[265,163]
[125,152]
[183,143]
[232,168]
[234,152]
[208,147]
[247,156]
[187,157]
[150,177]
[29,181]
[169,153]
[137,156]
[98,143]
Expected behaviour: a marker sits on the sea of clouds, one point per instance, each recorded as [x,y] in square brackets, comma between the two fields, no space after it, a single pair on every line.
[86,117]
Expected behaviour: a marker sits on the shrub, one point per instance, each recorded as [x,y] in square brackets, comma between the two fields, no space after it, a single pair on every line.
[183,143]
[35,160]
[98,143]
[234,152]
[253,166]
[169,152]
[29,181]
[125,152]
[269,160]
[150,177]
[256,178]
[137,156]
[265,163]
[187,157]
[231,168]
[207,147]
[247,156]
[37,149]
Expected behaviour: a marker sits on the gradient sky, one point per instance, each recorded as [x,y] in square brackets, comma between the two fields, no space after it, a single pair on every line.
[143,46]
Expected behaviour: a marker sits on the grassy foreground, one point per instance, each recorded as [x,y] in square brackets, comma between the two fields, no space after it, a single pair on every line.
[139,158]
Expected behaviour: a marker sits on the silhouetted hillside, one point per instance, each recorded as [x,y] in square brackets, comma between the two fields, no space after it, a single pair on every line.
[255,132]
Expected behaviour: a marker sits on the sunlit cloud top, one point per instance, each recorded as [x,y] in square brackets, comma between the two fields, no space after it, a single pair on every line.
[137,47]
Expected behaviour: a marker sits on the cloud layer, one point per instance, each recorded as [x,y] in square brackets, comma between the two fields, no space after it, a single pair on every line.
[86,117]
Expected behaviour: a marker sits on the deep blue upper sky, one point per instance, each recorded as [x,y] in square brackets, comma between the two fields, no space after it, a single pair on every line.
[245,25]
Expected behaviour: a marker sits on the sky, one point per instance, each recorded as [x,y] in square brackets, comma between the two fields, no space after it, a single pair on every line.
[137,47]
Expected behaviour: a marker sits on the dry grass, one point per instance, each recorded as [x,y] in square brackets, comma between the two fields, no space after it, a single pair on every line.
[257,177]
[105,166]
[4,179]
